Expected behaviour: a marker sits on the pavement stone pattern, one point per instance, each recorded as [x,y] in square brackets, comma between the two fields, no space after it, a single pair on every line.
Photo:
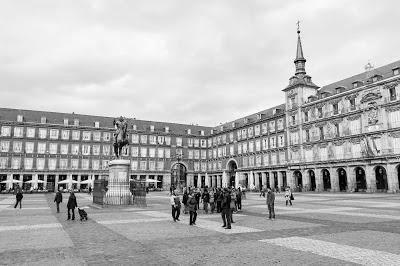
[319,229]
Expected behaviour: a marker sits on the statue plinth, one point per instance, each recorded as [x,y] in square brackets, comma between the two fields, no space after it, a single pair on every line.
[118,192]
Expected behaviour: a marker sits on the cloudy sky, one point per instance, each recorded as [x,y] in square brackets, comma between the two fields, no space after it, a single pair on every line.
[196,62]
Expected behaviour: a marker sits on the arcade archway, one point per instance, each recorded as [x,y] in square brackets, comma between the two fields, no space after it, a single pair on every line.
[232,167]
[313,185]
[381,178]
[326,178]
[178,176]
[298,178]
[342,179]
[361,182]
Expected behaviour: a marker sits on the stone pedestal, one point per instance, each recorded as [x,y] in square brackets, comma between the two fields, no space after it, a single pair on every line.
[118,192]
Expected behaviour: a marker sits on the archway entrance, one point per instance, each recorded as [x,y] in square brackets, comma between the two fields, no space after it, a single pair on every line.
[326,178]
[361,182]
[259,181]
[298,178]
[342,179]
[232,166]
[381,178]
[313,185]
[178,176]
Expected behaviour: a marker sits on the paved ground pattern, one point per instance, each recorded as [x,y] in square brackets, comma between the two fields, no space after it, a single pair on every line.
[319,229]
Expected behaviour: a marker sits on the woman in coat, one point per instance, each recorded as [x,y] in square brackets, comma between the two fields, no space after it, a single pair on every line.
[71,205]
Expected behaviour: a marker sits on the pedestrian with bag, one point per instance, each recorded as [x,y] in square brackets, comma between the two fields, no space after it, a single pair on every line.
[270,203]
[239,199]
[18,198]
[288,196]
[71,205]
[58,200]
[192,204]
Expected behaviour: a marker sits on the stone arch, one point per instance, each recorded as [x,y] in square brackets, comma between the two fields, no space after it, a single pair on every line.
[326,179]
[313,184]
[361,181]
[179,175]
[229,162]
[381,178]
[231,169]
[298,178]
[398,176]
[342,174]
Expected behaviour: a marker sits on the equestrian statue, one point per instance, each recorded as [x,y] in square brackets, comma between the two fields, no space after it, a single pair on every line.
[120,135]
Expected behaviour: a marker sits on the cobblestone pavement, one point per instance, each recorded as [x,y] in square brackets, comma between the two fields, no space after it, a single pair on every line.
[319,229]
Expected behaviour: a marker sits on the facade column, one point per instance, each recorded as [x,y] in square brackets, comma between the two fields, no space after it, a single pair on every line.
[306,181]
[393,182]
[56,179]
[271,180]
[334,180]
[264,179]
[371,178]
[199,181]
[220,180]
[44,179]
[190,180]
[351,179]
[280,180]
[9,185]
[78,186]
[319,183]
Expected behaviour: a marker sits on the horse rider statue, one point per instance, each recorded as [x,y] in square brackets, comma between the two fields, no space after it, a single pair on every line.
[120,135]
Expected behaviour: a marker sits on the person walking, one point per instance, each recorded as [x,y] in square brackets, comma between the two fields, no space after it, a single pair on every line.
[192,204]
[226,209]
[206,199]
[270,203]
[18,198]
[198,196]
[90,190]
[219,197]
[239,199]
[71,205]
[175,206]
[288,196]
[58,200]
[185,199]
[233,206]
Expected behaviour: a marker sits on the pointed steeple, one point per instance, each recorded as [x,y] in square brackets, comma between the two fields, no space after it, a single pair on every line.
[300,61]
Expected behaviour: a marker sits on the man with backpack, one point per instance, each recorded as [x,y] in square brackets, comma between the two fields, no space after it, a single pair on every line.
[176,206]
[58,200]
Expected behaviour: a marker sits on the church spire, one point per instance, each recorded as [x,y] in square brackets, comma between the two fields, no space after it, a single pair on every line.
[300,60]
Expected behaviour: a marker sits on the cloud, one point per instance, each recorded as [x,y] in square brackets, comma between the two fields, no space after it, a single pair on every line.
[201,62]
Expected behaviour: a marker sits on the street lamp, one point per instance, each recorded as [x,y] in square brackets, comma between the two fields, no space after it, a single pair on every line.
[177,182]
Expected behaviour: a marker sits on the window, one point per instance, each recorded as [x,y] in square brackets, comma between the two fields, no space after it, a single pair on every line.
[41,147]
[75,149]
[244,147]
[96,124]
[135,151]
[30,132]
[86,135]
[106,137]
[320,112]
[75,135]
[167,153]
[160,153]
[15,163]
[96,149]
[17,146]
[76,122]
[3,162]
[20,118]
[203,154]
[197,143]
[337,130]
[166,129]
[95,164]
[28,163]
[134,127]
[307,135]
[52,164]
[53,148]
[29,146]
[352,104]
[396,71]
[64,148]
[135,138]
[160,140]
[196,154]
[190,142]
[281,141]
[152,152]
[143,152]
[280,124]
[85,164]
[355,127]
[305,116]
[5,131]
[74,163]
[18,132]
[5,146]
[104,164]
[244,133]
[264,128]
[65,121]
[203,143]
[43,120]
[272,142]
[86,149]
[134,165]
[40,163]
[178,141]
[264,144]
[152,165]
[96,136]
[251,146]
[143,165]
[250,132]
[293,120]
[272,126]
[167,140]
[54,133]
[392,93]
[190,154]
[143,139]
[65,134]
[106,150]
[42,133]
[321,133]
[258,145]
[335,108]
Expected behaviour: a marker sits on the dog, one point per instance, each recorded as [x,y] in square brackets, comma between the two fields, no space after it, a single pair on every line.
[83,214]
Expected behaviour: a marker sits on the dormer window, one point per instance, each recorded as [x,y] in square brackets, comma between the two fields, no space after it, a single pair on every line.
[357,84]
[97,124]
[276,111]
[233,124]
[376,78]
[245,120]
[76,122]
[20,118]
[65,121]
[43,120]
[259,116]
[152,128]
[202,132]
[221,128]
[212,131]
[166,129]
[340,89]
[189,131]
[396,71]
[134,127]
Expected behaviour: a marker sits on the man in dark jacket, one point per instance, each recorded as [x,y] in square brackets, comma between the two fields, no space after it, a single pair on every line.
[185,199]
[226,209]
[18,197]
[270,203]
[239,199]
[198,196]
[218,197]
[71,205]
[192,203]
[58,200]
[206,199]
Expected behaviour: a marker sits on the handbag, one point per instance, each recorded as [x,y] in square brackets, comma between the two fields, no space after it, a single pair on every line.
[291,197]
[232,204]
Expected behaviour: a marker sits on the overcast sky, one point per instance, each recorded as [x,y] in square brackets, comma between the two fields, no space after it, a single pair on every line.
[195,62]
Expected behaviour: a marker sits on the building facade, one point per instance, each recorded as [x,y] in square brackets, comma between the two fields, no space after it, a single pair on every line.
[341,137]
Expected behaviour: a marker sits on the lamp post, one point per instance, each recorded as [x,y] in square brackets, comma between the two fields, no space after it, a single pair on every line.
[177,182]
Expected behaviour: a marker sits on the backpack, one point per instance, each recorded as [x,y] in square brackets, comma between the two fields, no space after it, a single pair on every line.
[177,201]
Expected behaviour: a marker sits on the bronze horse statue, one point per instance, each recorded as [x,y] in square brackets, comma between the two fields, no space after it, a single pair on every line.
[120,136]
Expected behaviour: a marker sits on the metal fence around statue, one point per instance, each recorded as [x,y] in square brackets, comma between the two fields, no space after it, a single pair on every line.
[138,190]
[99,190]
